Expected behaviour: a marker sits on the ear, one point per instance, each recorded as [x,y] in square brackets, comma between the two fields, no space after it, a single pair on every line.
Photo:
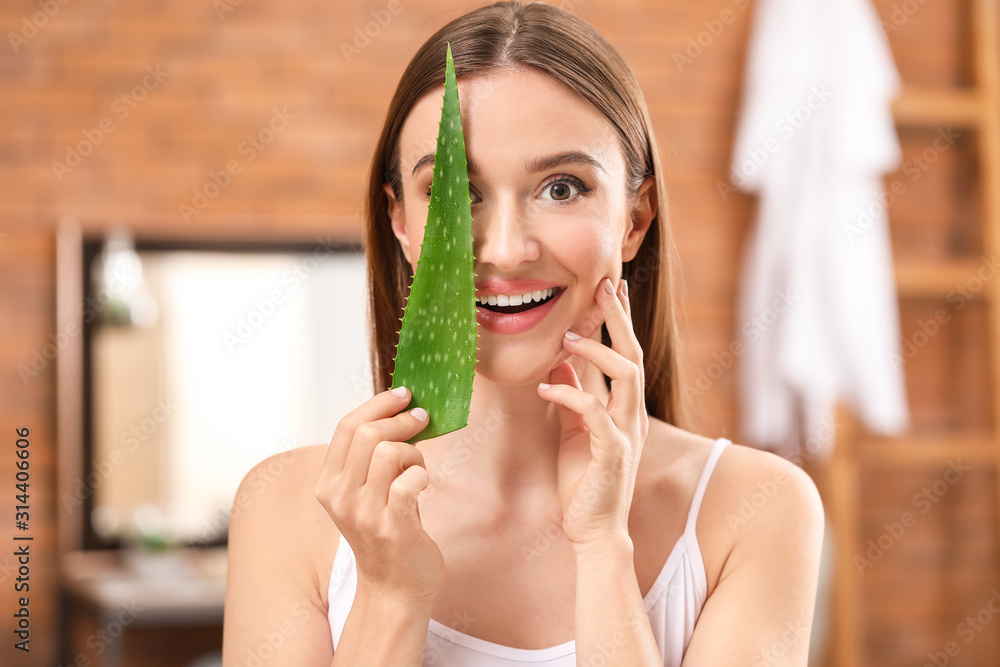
[645,206]
[398,218]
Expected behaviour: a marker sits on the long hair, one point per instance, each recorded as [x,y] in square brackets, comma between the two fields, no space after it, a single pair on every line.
[566,48]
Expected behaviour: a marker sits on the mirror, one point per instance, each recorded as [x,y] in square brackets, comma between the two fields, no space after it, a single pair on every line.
[202,363]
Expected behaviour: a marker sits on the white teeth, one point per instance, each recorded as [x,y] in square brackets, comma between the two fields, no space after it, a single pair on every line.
[516,299]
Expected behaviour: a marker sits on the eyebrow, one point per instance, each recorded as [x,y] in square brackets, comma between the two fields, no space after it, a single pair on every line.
[429,159]
[552,161]
[532,166]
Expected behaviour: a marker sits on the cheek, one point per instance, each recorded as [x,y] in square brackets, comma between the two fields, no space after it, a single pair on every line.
[593,254]
[595,249]
[416,220]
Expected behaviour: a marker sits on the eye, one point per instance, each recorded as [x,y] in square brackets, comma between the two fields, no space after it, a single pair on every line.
[472,194]
[563,188]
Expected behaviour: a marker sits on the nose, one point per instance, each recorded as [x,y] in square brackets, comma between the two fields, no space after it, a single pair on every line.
[502,236]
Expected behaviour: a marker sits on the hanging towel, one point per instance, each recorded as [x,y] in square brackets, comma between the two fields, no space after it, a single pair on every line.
[818,316]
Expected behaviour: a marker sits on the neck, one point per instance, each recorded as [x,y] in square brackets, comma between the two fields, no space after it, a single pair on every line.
[505,459]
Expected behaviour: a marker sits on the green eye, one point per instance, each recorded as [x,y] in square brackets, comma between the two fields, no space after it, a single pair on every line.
[436,354]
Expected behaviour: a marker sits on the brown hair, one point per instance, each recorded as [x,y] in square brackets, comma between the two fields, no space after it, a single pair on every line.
[563,46]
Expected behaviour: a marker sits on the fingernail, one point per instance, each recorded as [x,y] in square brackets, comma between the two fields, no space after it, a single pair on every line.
[624,287]
[570,335]
[400,392]
[543,386]
[419,413]
[608,288]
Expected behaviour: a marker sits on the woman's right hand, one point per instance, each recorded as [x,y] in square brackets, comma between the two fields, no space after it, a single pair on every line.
[369,485]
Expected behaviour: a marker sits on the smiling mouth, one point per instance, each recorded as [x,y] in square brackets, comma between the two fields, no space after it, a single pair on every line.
[511,310]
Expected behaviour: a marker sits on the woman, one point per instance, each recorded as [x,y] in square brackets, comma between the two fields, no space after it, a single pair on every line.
[572,521]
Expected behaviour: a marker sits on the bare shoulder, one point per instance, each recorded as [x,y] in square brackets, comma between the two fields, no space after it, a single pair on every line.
[750,486]
[277,535]
[755,504]
[751,495]
[279,532]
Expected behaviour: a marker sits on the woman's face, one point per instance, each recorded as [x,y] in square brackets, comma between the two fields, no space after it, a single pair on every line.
[550,210]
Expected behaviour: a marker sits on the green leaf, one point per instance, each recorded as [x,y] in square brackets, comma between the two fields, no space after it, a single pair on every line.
[436,354]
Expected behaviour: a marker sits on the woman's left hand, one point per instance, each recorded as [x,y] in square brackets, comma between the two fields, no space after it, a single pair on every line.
[600,447]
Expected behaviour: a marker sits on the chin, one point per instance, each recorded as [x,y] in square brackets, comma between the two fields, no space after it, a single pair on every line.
[512,369]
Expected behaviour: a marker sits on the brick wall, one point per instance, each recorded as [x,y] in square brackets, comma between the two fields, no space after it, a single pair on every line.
[141,102]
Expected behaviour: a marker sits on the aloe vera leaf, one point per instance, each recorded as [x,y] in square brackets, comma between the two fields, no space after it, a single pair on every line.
[436,354]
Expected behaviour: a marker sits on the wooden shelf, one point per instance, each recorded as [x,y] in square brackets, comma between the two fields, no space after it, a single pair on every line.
[921,451]
[934,278]
[855,452]
[928,107]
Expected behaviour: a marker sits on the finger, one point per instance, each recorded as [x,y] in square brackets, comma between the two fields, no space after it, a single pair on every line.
[389,459]
[626,376]
[589,408]
[367,436]
[570,423]
[379,406]
[626,302]
[403,494]
[619,324]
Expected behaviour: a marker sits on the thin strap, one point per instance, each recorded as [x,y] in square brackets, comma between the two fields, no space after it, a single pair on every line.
[343,568]
[706,472]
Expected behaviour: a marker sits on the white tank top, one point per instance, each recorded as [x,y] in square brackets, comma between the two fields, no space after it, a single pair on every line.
[673,605]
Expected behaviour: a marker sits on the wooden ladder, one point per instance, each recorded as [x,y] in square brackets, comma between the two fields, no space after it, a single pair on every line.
[976,108]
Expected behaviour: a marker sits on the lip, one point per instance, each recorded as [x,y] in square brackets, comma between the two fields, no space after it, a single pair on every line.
[495,286]
[516,323]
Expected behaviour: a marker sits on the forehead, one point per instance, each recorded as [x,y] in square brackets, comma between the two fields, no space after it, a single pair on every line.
[513,114]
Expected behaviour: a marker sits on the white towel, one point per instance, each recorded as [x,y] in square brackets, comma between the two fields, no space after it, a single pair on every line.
[818,314]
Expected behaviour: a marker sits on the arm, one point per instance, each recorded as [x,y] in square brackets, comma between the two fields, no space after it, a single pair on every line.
[274,613]
[612,627]
[280,538]
[599,452]
[381,630]
[760,614]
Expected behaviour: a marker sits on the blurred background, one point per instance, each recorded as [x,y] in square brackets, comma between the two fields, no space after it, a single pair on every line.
[182,295]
